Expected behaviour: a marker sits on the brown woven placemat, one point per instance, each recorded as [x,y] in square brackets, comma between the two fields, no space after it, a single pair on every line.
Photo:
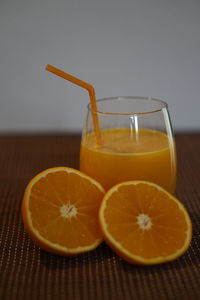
[26,272]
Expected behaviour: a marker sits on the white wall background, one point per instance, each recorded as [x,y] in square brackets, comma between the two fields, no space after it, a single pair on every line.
[122,47]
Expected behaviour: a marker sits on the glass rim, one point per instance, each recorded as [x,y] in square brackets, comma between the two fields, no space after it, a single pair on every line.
[163,104]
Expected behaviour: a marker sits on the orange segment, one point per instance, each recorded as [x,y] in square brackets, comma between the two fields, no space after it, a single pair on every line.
[60,211]
[144,224]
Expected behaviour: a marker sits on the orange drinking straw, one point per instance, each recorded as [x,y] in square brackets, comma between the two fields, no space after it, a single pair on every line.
[91,92]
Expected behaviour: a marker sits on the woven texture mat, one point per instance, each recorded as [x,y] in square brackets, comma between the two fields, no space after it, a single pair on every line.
[26,272]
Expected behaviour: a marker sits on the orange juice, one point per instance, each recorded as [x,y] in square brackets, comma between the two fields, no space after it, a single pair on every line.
[126,155]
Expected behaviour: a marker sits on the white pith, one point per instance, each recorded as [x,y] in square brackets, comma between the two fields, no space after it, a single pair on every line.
[144,221]
[68,211]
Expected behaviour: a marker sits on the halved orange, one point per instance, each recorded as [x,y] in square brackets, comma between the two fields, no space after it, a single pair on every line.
[144,224]
[60,211]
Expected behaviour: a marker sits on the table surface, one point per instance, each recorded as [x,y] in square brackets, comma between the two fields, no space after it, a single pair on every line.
[26,272]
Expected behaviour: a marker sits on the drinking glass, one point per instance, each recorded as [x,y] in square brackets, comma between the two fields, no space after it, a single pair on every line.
[137,142]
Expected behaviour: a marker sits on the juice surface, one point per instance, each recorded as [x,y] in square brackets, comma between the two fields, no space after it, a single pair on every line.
[126,155]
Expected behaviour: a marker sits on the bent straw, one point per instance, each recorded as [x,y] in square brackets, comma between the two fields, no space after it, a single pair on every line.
[91,92]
